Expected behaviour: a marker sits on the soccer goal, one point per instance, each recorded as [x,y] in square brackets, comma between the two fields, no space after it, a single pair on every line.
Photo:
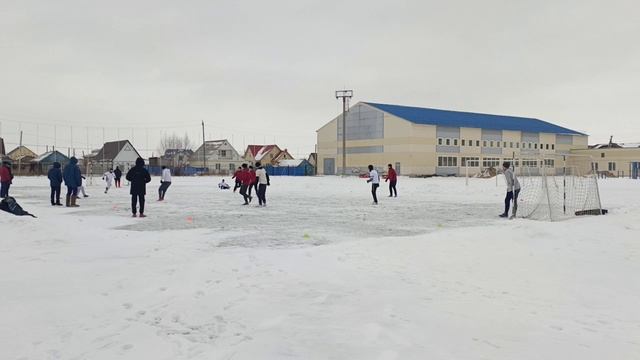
[557,187]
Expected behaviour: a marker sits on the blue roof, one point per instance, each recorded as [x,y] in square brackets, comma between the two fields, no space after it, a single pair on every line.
[449,118]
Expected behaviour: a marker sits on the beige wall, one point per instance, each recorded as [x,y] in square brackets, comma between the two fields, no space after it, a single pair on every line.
[621,157]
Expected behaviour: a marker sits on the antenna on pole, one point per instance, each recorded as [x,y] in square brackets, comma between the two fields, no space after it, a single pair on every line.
[345,95]
[204,149]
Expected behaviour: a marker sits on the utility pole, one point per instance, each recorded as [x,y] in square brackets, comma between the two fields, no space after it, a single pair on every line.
[204,148]
[20,158]
[345,95]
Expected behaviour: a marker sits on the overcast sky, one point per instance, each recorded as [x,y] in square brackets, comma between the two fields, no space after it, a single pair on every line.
[258,71]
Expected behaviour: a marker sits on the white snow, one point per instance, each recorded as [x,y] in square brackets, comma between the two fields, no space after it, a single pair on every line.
[318,274]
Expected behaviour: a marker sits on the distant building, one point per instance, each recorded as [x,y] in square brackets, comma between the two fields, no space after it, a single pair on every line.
[22,153]
[423,141]
[42,163]
[221,157]
[176,157]
[119,153]
[266,154]
[612,159]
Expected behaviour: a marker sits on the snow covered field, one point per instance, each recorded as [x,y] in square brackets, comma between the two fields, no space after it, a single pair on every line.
[319,274]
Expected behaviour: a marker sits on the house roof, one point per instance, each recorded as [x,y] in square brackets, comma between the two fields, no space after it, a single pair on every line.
[293,163]
[259,151]
[426,116]
[63,158]
[111,149]
[212,147]
[615,146]
[21,152]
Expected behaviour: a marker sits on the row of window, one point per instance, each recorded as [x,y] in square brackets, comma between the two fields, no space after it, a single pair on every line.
[232,167]
[612,166]
[452,161]
[495,144]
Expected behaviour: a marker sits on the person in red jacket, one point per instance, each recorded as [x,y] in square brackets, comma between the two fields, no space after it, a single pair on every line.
[5,179]
[246,179]
[392,178]
[236,175]
[254,180]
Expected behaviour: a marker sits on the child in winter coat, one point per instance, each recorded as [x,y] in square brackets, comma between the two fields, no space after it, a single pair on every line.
[55,181]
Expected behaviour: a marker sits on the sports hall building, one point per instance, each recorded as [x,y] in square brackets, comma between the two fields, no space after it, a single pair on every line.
[423,141]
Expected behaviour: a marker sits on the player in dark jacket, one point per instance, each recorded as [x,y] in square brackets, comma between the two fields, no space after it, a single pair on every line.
[55,181]
[6,178]
[72,179]
[118,174]
[138,176]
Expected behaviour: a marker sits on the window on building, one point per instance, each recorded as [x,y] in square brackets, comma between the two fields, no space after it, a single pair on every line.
[491,143]
[530,145]
[222,153]
[549,163]
[462,143]
[490,162]
[447,141]
[447,161]
[232,167]
[529,163]
[594,166]
[455,142]
[535,146]
[470,162]
[217,166]
[517,145]
[484,143]
[553,146]
[439,141]
[612,166]
[511,144]
[547,146]
[504,144]
[601,155]
[478,143]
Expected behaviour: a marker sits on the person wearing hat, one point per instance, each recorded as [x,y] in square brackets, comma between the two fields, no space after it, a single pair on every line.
[55,182]
[138,177]
[72,179]
[513,189]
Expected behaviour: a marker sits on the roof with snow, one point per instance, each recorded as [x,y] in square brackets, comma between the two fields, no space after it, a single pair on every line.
[615,146]
[293,163]
[259,151]
[426,116]
[51,156]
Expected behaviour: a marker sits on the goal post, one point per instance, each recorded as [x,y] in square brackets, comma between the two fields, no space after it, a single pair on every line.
[557,186]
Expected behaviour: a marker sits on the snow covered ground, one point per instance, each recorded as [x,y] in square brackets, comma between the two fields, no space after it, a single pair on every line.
[319,274]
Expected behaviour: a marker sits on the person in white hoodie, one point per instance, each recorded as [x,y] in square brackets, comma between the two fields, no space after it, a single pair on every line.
[108,178]
[374,179]
[263,182]
[165,182]
[513,190]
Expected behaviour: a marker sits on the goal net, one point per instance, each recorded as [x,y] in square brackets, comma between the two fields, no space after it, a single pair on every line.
[557,187]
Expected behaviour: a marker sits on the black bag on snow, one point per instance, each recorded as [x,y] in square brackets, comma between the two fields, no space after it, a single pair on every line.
[10,205]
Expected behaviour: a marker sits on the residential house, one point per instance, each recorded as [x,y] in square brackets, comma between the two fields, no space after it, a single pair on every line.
[119,153]
[41,164]
[266,154]
[21,158]
[221,157]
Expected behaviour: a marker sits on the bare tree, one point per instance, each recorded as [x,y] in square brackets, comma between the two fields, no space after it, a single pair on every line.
[174,141]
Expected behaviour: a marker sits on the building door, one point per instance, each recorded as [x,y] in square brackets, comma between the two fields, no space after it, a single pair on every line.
[329,166]
[398,168]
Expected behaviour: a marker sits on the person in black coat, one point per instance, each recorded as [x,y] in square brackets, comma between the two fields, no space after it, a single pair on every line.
[118,174]
[55,181]
[73,179]
[138,178]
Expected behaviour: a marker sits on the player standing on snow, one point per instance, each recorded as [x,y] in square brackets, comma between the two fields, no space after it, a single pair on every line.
[108,177]
[236,176]
[118,174]
[254,181]
[6,178]
[138,176]
[374,179]
[513,189]
[72,179]
[263,182]
[246,181]
[392,177]
[55,182]
[165,182]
